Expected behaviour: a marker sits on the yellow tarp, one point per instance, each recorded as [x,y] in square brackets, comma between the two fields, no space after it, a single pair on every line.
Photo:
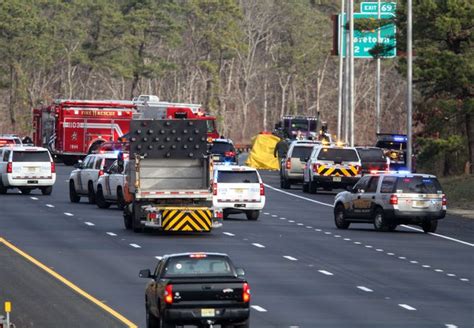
[261,154]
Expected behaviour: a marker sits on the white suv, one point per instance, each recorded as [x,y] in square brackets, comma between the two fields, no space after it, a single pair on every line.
[110,186]
[238,189]
[83,180]
[27,168]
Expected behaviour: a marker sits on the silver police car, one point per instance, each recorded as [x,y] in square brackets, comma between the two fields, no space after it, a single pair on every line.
[388,199]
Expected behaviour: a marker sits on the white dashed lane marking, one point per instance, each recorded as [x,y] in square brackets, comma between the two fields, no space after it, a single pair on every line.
[300,224]
[426,266]
[357,242]
[291,258]
[379,250]
[450,325]
[112,234]
[50,205]
[407,307]
[291,221]
[365,289]
[309,227]
[347,239]
[90,224]
[414,262]
[68,214]
[258,245]
[464,279]
[34,198]
[266,213]
[135,246]
[327,273]
[228,234]
[328,233]
[318,230]
[282,218]
[258,308]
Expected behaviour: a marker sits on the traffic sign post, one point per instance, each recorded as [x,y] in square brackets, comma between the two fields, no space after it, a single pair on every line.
[364,41]
[372,7]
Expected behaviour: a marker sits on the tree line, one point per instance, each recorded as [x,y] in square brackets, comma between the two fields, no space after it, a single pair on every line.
[247,61]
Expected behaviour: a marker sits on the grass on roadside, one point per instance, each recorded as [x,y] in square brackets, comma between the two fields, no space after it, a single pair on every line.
[459,191]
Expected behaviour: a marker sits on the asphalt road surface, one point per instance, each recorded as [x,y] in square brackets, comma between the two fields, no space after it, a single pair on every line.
[303,271]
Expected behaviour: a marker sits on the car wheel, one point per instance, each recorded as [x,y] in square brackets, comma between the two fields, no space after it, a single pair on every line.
[120,199]
[25,191]
[151,320]
[380,223]
[305,187]
[3,189]
[73,196]
[127,219]
[285,183]
[313,189]
[90,193]
[339,217]
[430,226]
[100,199]
[252,215]
[47,190]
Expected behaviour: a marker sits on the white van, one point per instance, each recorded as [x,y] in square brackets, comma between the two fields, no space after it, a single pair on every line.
[238,189]
[27,168]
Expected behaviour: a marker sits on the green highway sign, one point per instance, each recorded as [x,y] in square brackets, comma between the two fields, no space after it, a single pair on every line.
[372,7]
[364,41]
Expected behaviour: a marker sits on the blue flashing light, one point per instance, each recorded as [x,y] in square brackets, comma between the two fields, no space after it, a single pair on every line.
[399,138]
[404,171]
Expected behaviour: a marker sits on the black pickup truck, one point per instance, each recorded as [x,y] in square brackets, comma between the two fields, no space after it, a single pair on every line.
[200,289]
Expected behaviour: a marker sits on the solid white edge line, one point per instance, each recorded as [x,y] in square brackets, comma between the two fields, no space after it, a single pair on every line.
[407,307]
[135,246]
[365,289]
[258,245]
[228,234]
[327,273]
[112,234]
[258,308]
[403,225]
[291,258]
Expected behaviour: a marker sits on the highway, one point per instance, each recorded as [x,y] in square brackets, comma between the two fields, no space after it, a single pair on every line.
[302,270]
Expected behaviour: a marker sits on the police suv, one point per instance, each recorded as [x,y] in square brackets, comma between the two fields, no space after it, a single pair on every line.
[111,185]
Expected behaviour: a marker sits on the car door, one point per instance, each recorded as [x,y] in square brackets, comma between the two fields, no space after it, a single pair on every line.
[3,166]
[82,176]
[367,199]
[111,181]
[358,204]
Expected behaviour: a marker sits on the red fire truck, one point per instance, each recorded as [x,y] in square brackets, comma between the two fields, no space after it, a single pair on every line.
[71,129]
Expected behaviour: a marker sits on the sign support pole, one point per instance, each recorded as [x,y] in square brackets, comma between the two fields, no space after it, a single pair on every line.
[378,100]
[351,74]
[409,83]
[341,66]
[346,80]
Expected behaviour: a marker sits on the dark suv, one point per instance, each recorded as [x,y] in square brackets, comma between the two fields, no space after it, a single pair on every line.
[223,151]
[372,159]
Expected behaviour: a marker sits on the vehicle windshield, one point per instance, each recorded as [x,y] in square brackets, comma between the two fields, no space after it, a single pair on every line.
[221,147]
[237,177]
[371,155]
[338,155]
[202,266]
[30,156]
[108,163]
[418,185]
[391,145]
[301,152]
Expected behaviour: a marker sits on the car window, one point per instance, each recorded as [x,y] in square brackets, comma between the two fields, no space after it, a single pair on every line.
[362,183]
[338,155]
[98,163]
[237,177]
[221,147]
[373,184]
[89,162]
[187,266]
[418,185]
[371,155]
[113,168]
[301,152]
[388,184]
[6,155]
[30,156]
[108,162]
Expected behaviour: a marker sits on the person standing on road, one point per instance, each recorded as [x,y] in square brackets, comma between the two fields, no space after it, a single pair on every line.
[281,149]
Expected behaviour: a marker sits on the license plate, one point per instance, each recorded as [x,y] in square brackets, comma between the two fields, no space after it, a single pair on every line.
[336,179]
[32,181]
[31,169]
[208,312]
[215,158]
[239,190]
[420,203]
[240,205]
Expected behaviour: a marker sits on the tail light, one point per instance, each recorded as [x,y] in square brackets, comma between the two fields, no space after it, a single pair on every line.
[229,154]
[315,167]
[246,293]
[214,188]
[9,167]
[262,190]
[288,164]
[393,200]
[101,173]
[53,167]
[219,215]
[169,294]
[444,201]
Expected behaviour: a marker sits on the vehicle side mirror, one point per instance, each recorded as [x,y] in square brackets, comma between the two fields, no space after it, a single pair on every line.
[240,272]
[145,274]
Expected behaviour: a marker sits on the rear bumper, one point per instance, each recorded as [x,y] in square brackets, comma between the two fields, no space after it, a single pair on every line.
[294,176]
[31,182]
[239,205]
[328,181]
[193,316]
[408,217]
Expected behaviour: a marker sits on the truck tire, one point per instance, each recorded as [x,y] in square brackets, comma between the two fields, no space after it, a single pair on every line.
[127,219]
[305,187]
[47,190]
[25,191]
[100,199]
[120,199]
[252,215]
[90,193]
[285,183]
[73,196]
[430,226]
[339,217]
[136,225]
[380,222]
[151,320]
[3,189]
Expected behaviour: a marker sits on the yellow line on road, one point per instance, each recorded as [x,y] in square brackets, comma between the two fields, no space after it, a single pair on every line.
[69,284]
